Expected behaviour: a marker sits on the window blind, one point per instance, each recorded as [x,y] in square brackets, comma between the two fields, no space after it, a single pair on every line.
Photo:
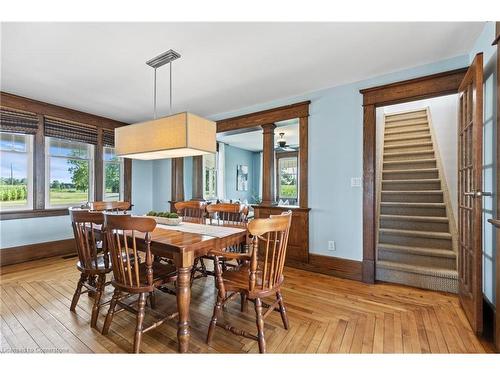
[14,121]
[108,138]
[70,131]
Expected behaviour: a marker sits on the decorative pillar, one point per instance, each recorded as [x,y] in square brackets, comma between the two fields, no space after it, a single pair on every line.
[177,182]
[268,191]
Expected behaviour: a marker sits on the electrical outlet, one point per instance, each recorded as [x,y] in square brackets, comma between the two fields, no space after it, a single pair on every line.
[356,182]
[331,245]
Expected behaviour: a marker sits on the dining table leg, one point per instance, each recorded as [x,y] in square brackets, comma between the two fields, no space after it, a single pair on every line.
[183,302]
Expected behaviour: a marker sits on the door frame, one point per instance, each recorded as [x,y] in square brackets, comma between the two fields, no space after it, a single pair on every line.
[425,87]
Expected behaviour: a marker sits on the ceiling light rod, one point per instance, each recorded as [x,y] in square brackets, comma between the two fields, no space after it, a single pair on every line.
[157,62]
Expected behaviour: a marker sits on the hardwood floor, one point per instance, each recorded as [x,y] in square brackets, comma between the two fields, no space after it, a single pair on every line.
[328,315]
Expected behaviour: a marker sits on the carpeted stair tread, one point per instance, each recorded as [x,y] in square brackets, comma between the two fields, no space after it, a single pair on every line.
[424,251]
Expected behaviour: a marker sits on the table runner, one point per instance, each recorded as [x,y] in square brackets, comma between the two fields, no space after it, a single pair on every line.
[208,230]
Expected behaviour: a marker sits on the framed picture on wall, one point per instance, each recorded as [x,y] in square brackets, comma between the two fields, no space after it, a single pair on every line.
[242,177]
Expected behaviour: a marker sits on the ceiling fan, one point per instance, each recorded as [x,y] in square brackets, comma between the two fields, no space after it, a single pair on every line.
[282,146]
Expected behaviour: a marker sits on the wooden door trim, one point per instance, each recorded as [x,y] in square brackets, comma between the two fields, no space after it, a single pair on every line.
[425,87]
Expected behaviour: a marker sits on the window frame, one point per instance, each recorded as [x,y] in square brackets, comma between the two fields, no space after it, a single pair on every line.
[42,111]
[30,175]
[287,155]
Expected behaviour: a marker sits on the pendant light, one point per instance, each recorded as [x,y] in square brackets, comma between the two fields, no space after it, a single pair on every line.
[173,136]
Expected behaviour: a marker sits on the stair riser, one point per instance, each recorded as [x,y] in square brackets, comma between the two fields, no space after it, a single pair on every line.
[434,243]
[432,185]
[409,164]
[414,225]
[420,281]
[406,139]
[406,116]
[410,175]
[417,198]
[407,128]
[408,122]
[408,148]
[413,211]
[426,155]
[412,133]
[417,260]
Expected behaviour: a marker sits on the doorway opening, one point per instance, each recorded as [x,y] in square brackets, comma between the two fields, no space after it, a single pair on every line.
[416,193]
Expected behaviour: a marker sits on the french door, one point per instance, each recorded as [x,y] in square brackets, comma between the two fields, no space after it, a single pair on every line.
[470,169]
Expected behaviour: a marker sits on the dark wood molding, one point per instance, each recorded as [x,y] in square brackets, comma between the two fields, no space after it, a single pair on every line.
[268,116]
[127,180]
[398,92]
[268,181]
[12,215]
[197,192]
[339,267]
[19,254]
[303,161]
[177,182]
[414,89]
[39,166]
[47,109]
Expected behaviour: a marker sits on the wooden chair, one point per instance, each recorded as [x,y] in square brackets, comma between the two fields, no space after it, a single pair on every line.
[192,211]
[131,274]
[261,278]
[117,206]
[93,258]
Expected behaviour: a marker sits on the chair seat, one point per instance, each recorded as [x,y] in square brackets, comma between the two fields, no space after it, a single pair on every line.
[237,280]
[162,272]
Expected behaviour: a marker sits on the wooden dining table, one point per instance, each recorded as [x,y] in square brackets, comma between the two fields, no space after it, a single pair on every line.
[182,244]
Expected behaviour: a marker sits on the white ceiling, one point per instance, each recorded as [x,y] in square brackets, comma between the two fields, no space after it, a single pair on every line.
[252,141]
[100,67]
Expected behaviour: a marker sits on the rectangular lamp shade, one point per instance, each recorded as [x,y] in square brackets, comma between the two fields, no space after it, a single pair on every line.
[179,135]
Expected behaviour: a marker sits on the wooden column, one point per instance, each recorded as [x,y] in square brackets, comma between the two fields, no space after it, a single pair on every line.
[369,201]
[177,181]
[98,168]
[303,150]
[268,191]
[197,193]
[127,178]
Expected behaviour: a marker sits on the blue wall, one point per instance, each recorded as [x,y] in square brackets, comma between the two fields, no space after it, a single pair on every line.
[142,186]
[236,156]
[335,155]
[162,173]
[256,175]
[483,44]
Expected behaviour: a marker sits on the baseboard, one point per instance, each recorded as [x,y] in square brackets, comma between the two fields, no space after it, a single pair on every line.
[344,268]
[19,254]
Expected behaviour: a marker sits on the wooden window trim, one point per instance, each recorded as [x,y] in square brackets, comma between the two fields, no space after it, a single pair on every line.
[43,110]
[281,155]
[414,89]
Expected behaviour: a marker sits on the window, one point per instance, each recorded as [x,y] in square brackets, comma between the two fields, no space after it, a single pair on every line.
[113,175]
[16,180]
[209,176]
[287,179]
[69,172]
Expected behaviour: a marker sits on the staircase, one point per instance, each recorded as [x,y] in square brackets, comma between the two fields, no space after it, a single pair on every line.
[416,240]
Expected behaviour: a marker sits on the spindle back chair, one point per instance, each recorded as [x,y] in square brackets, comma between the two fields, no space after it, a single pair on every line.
[228,214]
[192,211]
[261,277]
[93,258]
[132,275]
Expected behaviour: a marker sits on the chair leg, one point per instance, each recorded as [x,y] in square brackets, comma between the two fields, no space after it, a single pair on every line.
[215,316]
[152,300]
[140,320]
[111,312]
[193,270]
[78,292]
[101,281]
[244,302]
[260,325]
[284,316]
